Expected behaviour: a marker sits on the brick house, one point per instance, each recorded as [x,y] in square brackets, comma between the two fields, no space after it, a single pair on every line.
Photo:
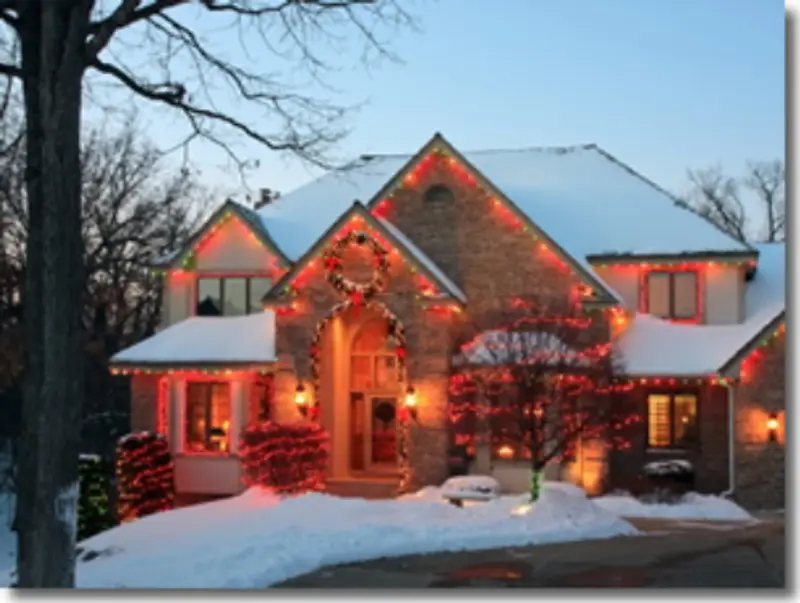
[341,301]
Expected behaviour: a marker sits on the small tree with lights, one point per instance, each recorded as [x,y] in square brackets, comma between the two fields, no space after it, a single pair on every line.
[536,380]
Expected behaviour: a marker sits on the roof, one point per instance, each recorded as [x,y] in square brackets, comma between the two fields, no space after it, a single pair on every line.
[652,346]
[207,340]
[618,212]
[394,237]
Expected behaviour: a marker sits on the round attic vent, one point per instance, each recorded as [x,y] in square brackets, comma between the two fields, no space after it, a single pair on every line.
[439,193]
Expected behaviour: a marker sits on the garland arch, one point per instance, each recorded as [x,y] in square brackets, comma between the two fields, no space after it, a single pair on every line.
[398,337]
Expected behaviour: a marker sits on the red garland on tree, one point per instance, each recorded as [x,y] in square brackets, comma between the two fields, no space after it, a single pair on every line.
[288,458]
[145,476]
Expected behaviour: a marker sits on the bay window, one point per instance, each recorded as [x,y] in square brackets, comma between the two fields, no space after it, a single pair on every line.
[208,417]
[230,295]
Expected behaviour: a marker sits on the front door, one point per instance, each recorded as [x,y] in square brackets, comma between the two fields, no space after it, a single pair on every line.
[374,395]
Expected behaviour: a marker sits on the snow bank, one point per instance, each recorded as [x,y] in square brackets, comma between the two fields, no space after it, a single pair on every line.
[256,539]
[691,506]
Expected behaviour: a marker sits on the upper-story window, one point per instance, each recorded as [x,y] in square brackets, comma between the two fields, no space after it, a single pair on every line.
[673,295]
[230,295]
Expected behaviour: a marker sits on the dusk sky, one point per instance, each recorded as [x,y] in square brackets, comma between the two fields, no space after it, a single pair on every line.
[664,86]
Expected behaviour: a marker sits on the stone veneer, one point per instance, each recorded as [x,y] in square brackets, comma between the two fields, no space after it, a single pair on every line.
[760,463]
[478,246]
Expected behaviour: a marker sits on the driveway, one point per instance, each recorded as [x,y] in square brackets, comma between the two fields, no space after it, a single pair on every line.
[671,554]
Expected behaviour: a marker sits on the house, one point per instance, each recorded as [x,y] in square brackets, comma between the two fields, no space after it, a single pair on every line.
[339,302]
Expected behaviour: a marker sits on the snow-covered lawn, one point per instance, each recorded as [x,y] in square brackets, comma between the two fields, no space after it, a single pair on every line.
[691,506]
[257,539]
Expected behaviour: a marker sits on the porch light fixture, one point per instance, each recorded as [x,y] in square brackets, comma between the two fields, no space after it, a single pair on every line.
[300,399]
[411,402]
[772,427]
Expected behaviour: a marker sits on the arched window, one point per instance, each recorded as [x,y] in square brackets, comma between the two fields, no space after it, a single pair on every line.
[439,193]
[373,362]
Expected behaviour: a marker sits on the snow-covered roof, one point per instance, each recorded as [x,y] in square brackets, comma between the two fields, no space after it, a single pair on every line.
[423,259]
[589,203]
[207,340]
[652,346]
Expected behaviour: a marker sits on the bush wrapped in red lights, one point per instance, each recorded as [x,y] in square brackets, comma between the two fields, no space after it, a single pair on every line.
[288,458]
[145,476]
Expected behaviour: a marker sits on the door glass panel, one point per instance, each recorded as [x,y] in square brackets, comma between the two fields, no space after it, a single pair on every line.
[357,431]
[361,372]
[385,371]
[384,432]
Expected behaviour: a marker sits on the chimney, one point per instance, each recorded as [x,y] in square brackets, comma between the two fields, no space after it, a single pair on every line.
[266,196]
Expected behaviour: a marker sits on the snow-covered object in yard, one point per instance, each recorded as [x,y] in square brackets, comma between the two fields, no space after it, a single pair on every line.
[256,540]
[471,486]
[652,346]
[672,467]
[690,506]
[207,339]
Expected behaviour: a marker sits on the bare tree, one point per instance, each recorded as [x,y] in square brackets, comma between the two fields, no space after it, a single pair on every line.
[159,51]
[751,208]
[546,383]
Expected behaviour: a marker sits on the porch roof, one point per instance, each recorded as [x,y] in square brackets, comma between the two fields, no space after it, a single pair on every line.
[207,340]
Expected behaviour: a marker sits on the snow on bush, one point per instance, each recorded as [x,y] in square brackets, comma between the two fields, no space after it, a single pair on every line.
[673,467]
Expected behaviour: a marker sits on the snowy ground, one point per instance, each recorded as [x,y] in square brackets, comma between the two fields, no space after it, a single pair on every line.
[256,539]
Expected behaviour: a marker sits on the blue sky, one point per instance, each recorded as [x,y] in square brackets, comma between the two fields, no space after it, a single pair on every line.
[662,85]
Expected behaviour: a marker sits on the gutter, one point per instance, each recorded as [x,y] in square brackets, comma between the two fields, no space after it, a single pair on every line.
[731,442]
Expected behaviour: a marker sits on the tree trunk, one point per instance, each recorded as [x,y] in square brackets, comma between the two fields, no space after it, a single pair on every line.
[52,36]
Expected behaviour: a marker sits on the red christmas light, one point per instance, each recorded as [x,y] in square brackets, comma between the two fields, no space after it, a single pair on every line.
[145,476]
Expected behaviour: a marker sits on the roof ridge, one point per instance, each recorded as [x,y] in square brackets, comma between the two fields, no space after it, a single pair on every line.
[558,149]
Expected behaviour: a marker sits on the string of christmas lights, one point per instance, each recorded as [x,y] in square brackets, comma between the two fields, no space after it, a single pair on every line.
[94,505]
[288,458]
[145,476]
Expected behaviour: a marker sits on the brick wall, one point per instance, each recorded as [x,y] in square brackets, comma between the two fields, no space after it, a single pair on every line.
[761,464]
[144,402]
[709,458]
[476,244]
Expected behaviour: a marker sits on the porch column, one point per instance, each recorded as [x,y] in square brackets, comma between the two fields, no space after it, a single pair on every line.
[238,402]
[177,419]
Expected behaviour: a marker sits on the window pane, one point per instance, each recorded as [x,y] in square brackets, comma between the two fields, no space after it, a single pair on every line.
[658,294]
[219,426]
[685,420]
[361,372]
[258,289]
[235,296]
[385,371]
[685,294]
[658,420]
[209,297]
[384,441]
[196,397]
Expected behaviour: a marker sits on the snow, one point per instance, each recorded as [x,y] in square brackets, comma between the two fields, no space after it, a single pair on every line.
[667,467]
[691,506]
[207,339]
[497,347]
[471,486]
[256,539]
[452,288]
[583,198]
[652,346]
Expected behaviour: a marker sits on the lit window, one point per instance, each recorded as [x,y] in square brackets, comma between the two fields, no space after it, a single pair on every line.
[671,420]
[230,296]
[208,414]
[672,294]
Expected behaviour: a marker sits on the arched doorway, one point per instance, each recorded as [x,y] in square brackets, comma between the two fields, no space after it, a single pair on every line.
[374,390]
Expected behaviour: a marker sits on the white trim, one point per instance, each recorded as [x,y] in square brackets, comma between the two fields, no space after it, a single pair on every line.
[731,440]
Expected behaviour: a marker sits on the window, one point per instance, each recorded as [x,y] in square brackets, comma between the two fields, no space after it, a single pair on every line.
[230,295]
[438,193]
[672,294]
[672,420]
[510,436]
[208,413]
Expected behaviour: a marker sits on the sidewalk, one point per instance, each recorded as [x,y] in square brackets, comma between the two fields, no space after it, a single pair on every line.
[671,554]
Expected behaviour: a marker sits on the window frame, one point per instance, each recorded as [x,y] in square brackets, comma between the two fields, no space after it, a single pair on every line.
[672,394]
[671,294]
[221,278]
[208,385]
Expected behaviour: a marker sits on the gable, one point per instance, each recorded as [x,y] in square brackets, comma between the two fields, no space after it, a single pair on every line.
[434,284]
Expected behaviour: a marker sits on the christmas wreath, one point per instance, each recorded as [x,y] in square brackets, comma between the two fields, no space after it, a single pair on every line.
[356,292]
